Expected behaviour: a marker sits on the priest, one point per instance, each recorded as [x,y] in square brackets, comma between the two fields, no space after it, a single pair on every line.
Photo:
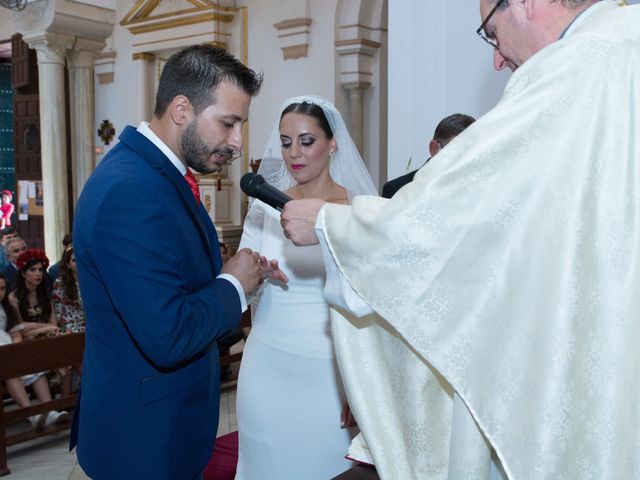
[496,296]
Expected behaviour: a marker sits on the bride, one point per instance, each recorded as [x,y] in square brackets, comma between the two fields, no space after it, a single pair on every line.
[292,414]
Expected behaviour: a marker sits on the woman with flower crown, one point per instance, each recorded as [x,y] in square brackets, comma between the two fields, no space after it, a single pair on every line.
[30,302]
[292,413]
[32,295]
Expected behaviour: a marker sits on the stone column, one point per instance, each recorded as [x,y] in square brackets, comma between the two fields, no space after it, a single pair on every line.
[81,102]
[355,90]
[146,82]
[50,48]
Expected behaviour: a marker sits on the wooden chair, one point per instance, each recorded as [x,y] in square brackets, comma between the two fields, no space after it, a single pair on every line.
[32,357]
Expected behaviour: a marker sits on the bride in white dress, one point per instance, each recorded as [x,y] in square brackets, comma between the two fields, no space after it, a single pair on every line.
[290,399]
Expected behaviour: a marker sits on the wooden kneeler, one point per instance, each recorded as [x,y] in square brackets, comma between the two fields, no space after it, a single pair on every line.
[32,357]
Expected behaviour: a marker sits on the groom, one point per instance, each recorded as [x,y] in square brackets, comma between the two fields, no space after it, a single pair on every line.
[156,303]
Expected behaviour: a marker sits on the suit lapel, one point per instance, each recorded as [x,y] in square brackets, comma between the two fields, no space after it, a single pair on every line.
[159,161]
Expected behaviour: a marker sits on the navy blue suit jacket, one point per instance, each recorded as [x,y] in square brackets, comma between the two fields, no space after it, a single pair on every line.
[390,188]
[147,258]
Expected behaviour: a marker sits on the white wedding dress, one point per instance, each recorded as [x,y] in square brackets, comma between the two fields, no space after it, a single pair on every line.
[290,393]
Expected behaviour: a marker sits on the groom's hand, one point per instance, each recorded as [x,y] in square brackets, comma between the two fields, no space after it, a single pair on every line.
[298,220]
[245,266]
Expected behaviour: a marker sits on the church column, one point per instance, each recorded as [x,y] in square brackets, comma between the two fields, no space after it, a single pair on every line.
[355,90]
[82,110]
[146,82]
[356,56]
[50,48]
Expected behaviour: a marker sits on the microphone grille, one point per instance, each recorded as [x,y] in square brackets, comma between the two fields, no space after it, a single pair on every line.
[249,182]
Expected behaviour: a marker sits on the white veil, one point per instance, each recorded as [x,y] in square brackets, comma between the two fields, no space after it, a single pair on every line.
[347,168]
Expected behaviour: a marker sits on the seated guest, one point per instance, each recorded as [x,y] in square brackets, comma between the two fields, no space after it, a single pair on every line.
[12,250]
[32,296]
[53,269]
[67,304]
[448,129]
[6,234]
[32,300]
[11,331]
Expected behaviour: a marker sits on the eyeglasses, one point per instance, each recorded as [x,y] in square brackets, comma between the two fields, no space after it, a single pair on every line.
[483,34]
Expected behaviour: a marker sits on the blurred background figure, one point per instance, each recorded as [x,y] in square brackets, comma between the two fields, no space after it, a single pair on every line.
[53,269]
[6,234]
[6,207]
[67,304]
[224,252]
[448,129]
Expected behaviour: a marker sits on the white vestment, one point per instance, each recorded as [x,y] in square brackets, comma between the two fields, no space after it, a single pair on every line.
[508,272]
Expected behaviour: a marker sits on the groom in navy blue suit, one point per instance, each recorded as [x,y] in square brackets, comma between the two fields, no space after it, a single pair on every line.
[156,303]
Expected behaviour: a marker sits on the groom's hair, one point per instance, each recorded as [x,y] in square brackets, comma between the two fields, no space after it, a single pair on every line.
[196,71]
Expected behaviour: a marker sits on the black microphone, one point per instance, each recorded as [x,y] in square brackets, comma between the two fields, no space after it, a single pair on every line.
[256,186]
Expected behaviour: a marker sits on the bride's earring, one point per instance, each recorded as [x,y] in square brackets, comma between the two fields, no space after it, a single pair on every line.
[332,154]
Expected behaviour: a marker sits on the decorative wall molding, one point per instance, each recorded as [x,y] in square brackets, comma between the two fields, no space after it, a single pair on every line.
[294,37]
[104,66]
[170,25]
[356,59]
[145,56]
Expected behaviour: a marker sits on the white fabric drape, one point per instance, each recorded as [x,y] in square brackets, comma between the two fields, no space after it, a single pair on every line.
[508,271]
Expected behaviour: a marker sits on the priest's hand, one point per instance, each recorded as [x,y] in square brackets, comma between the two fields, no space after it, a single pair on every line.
[298,220]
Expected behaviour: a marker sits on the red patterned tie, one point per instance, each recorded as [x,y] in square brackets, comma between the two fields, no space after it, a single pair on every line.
[193,183]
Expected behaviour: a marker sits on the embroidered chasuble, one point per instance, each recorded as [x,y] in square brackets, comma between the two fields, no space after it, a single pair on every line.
[506,280]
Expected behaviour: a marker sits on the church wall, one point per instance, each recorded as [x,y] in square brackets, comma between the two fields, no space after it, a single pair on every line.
[437,66]
[116,101]
[7,27]
[313,74]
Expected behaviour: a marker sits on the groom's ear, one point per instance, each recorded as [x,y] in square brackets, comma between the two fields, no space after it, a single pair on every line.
[181,110]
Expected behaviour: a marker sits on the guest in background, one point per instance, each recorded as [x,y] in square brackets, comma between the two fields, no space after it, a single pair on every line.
[291,404]
[67,304]
[53,269]
[32,296]
[448,129]
[13,248]
[6,208]
[11,331]
[6,234]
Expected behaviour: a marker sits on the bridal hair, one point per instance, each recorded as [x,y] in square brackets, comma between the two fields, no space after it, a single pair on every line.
[196,71]
[312,110]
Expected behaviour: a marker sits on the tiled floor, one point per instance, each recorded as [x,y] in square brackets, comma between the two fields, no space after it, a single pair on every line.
[48,458]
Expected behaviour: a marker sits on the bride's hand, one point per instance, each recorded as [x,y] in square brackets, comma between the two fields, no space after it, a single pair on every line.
[271,270]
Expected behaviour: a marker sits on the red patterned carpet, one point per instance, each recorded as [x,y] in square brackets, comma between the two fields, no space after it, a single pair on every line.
[223,461]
